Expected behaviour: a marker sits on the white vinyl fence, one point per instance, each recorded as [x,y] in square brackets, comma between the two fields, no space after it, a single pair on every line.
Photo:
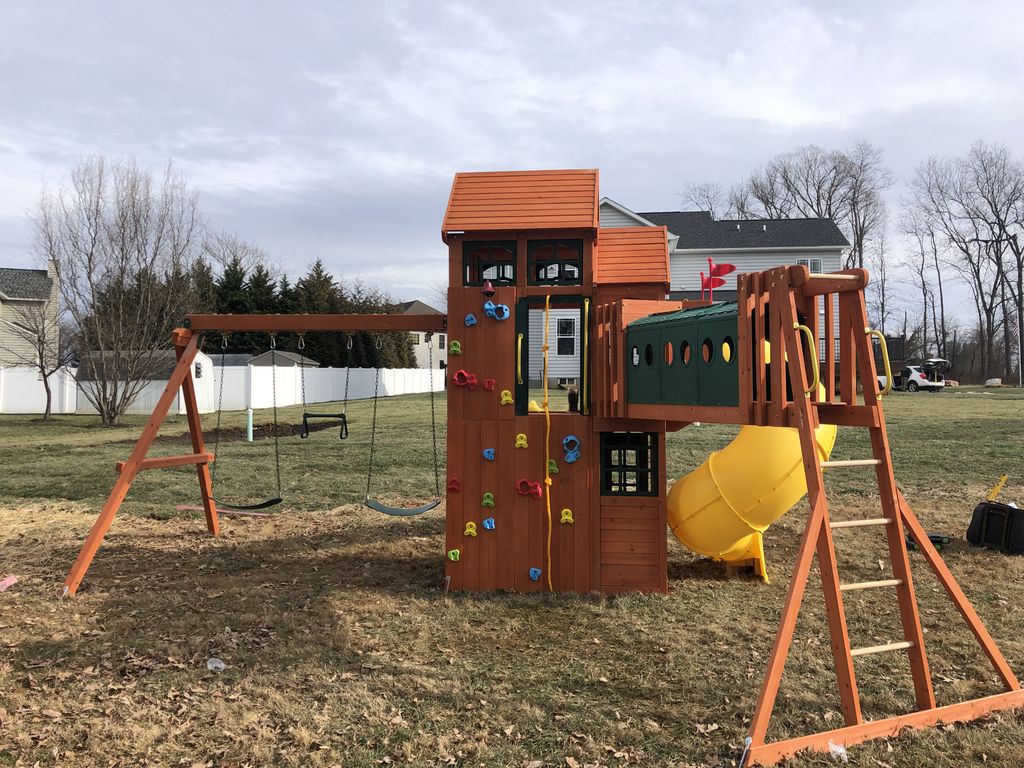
[21,391]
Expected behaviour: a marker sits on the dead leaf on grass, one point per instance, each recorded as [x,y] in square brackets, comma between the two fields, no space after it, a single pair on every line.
[707,727]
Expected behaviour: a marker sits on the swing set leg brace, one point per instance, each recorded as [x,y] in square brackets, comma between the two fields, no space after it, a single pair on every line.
[186,344]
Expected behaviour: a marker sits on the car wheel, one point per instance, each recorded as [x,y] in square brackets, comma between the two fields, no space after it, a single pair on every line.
[912,386]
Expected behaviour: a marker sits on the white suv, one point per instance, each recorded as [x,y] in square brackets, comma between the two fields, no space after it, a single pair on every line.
[927,375]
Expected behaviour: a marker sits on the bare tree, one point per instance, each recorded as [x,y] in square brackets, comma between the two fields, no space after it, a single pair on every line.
[846,186]
[925,262]
[706,196]
[879,293]
[39,341]
[949,195]
[122,243]
[224,248]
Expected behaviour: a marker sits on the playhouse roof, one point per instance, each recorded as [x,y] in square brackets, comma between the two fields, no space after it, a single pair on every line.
[631,255]
[522,200]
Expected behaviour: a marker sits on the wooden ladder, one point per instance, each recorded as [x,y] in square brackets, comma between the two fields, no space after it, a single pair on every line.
[897,519]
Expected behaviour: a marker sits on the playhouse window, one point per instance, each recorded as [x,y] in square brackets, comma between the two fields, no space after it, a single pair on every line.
[555,262]
[494,261]
[629,464]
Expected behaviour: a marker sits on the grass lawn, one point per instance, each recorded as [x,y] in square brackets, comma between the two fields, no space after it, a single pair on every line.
[342,647]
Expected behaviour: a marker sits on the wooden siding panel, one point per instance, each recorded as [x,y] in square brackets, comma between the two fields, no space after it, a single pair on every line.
[632,255]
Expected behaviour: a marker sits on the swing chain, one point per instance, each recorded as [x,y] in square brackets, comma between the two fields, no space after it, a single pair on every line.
[373,424]
[302,373]
[348,372]
[277,429]
[433,417]
[220,407]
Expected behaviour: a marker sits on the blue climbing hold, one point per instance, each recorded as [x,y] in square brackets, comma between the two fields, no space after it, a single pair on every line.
[489,523]
[496,311]
[489,454]
[571,445]
[534,574]
[470,319]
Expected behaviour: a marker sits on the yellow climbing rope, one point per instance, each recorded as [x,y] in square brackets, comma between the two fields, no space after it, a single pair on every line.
[547,435]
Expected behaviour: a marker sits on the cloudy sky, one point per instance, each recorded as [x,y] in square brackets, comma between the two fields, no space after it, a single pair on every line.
[332,129]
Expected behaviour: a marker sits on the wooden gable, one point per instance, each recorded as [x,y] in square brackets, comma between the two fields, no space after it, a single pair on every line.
[632,255]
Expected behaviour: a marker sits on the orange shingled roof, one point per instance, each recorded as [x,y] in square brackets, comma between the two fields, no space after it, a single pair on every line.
[522,200]
[631,255]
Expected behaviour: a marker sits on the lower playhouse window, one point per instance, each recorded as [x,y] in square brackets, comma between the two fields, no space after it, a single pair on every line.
[629,464]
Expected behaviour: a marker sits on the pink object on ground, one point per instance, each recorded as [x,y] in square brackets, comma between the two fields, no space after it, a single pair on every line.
[7,583]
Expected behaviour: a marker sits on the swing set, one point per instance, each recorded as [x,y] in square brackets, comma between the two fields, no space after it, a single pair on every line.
[186,341]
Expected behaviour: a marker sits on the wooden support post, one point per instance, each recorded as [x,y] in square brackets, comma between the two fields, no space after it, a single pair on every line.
[195,431]
[131,468]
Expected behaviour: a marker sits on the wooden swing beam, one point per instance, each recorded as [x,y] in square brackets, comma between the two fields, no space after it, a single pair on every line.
[186,346]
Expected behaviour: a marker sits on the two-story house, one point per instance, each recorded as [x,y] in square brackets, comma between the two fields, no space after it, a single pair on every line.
[23,294]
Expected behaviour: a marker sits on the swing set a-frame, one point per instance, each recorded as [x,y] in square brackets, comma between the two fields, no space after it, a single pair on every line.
[186,342]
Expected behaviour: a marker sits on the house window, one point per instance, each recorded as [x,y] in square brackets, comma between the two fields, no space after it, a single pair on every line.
[440,341]
[566,336]
[555,262]
[494,261]
[812,264]
[629,464]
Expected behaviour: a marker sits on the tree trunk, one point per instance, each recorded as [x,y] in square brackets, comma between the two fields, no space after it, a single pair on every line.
[49,396]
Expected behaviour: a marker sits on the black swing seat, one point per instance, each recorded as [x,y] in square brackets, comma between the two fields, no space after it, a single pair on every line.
[304,430]
[249,507]
[400,511]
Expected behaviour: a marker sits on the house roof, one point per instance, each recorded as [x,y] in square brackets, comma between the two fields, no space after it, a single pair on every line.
[30,284]
[632,255]
[233,359]
[417,307]
[284,359]
[522,201]
[698,231]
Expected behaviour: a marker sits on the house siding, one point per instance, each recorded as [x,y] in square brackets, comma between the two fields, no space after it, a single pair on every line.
[686,266]
[559,366]
[610,217]
[15,349]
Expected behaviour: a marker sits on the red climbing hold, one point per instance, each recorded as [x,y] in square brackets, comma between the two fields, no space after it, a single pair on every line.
[529,488]
[489,384]
[454,485]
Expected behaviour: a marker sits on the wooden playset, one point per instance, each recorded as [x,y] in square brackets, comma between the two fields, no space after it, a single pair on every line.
[575,499]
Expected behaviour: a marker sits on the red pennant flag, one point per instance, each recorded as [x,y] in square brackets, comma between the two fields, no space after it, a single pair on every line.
[710,283]
[720,270]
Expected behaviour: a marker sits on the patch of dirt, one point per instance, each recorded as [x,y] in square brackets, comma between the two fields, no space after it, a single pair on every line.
[235,434]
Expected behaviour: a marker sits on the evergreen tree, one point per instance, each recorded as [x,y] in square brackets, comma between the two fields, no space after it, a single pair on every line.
[203,287]
[262,300]
[317,293]
[233,298]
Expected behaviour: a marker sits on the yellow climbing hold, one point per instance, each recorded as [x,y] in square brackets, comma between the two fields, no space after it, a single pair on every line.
[506,397]
[521,441]
[567,517]
[470,529]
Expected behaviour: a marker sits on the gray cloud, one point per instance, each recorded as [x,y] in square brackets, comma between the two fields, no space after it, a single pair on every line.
[332,130]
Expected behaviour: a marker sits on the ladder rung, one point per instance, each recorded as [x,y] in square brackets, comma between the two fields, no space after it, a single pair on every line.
[851,463]
[859,523]
[828,276]
[870,584]
[902,646]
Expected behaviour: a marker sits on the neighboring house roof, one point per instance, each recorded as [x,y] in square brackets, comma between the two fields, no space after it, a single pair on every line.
[522,200]
[417,307]
[25,284]
[632,255]
[231,359]
[162,364]
[698,231]
[284,359]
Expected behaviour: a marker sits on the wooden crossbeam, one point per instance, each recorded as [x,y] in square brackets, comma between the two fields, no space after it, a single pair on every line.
[860,523]
[870,650]
[168,461]
[313,323]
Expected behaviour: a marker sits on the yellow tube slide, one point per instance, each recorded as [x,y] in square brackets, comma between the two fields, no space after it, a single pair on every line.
[722,507]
